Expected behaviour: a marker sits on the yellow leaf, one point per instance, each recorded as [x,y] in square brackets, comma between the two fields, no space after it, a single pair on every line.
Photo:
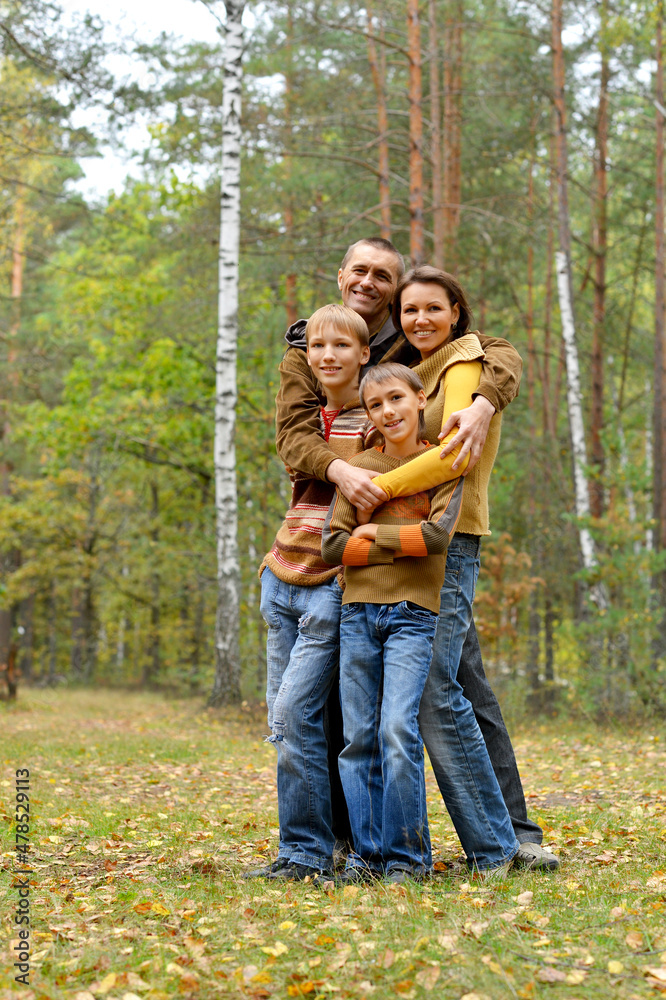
[287,925]
[262,977]
[351,890]
[427,978]
[276,949]
[576,977]
[324,939]
[107,984]
[300,989]
[615,967]
[160,909]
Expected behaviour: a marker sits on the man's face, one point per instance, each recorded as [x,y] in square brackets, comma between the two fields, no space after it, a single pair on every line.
[368,281]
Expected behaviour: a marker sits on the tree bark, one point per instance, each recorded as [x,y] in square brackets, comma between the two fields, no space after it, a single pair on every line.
[600,211]
[436,141]
[565,291]
[659,420]
[453,52]
[416,240]
[226,685]
[377,61]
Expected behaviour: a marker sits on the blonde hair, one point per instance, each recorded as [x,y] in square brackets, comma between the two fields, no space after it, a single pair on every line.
[385,373]
[342,318]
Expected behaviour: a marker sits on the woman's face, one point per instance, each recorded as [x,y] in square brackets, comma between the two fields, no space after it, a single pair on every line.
[427,316]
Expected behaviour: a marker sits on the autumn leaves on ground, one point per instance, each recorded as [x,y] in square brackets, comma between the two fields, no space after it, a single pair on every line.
[145,813]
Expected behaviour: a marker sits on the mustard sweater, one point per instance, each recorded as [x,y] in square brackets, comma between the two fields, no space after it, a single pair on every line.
[449,386]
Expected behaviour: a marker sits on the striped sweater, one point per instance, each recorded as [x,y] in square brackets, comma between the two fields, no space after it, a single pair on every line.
[295,556]
[418,526]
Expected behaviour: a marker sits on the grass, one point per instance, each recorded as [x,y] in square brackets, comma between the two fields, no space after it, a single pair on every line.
[146,812]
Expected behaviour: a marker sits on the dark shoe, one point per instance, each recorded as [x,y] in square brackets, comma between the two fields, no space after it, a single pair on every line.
[398,876]
[536,858]
[356,876]
[268,871]
[293,872]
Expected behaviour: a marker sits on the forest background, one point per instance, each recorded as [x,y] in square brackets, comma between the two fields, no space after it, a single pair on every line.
[459,130]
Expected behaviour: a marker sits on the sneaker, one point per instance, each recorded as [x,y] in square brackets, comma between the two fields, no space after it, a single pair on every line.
[356,876]
[268,871]
[293,872]
[536,858]
[398,876]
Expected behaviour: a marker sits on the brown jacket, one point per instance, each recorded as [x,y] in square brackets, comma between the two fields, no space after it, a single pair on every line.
[299,441]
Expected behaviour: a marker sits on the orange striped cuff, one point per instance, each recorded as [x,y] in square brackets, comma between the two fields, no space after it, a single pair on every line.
[411,541]
[356,552]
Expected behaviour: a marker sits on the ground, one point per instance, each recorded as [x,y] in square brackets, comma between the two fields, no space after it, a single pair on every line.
[144,812]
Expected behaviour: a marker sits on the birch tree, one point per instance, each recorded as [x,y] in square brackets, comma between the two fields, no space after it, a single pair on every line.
[565,292]
[226,685]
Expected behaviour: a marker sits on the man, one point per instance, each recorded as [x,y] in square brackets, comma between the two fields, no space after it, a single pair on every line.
[367,279]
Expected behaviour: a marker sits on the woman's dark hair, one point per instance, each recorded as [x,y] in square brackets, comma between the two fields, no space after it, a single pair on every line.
[427,275]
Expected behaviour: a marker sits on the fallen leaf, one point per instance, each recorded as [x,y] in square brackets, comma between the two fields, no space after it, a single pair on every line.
[615,967]
[524,899]
[475,928]
[576,977]
[287,925]
[634,940]
[160,909]
[276,949]
[300,989]
[658,974]
[106,984]
[549,975]
[388,958]
[427,978]
[447,941]
[143,907]
[324,939]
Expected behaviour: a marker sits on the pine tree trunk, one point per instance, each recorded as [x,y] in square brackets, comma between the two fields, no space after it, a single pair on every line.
[453,53]
[416,238]
[377,63]
[659,421]
[436,141]
[226,685]
[601,156]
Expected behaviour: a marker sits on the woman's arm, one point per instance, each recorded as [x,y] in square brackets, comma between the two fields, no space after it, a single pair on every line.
[428,469]
[339,546]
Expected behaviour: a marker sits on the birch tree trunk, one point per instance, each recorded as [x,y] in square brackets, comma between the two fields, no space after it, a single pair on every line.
[565,292]
[226,686]
[416,243]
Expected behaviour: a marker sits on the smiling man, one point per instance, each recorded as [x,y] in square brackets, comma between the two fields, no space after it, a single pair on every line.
[367,280]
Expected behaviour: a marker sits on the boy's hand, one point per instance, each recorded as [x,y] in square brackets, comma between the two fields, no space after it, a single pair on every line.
[365,531]
[356,484]
[473,423]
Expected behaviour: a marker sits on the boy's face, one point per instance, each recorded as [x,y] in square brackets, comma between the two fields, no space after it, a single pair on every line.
[394,409]
[336,357]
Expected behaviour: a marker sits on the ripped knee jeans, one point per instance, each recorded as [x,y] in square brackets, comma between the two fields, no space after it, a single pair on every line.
[302,662]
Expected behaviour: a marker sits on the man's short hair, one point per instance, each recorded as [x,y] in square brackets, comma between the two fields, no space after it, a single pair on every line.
[342,318]
[380,244]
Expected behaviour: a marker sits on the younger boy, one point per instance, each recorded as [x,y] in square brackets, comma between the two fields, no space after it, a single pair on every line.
[300,602]
[394,571]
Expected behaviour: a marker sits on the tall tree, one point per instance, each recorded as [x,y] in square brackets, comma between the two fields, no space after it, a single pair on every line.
[565,290]
[453,61]
[377,61]
[659,420]
[226,685]
[416,228]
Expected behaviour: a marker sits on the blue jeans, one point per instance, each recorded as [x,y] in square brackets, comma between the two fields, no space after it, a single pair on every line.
[450,731]
[302,659]
[385,652]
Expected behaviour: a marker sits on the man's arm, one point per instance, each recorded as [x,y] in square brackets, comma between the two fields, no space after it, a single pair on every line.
[502,368]
[299,441]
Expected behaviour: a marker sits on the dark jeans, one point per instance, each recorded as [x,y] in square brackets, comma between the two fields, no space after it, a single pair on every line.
[476,688]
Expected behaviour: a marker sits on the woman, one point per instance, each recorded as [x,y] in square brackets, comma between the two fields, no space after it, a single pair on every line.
[431,309]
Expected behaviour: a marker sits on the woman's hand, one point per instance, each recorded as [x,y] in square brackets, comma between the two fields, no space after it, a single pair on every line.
[473,424]
[365,531]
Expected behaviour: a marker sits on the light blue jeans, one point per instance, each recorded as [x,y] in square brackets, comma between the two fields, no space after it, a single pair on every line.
[449,728]
[385,652]
[302,659]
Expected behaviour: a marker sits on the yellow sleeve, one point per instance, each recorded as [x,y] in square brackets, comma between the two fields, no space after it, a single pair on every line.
[428,469]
